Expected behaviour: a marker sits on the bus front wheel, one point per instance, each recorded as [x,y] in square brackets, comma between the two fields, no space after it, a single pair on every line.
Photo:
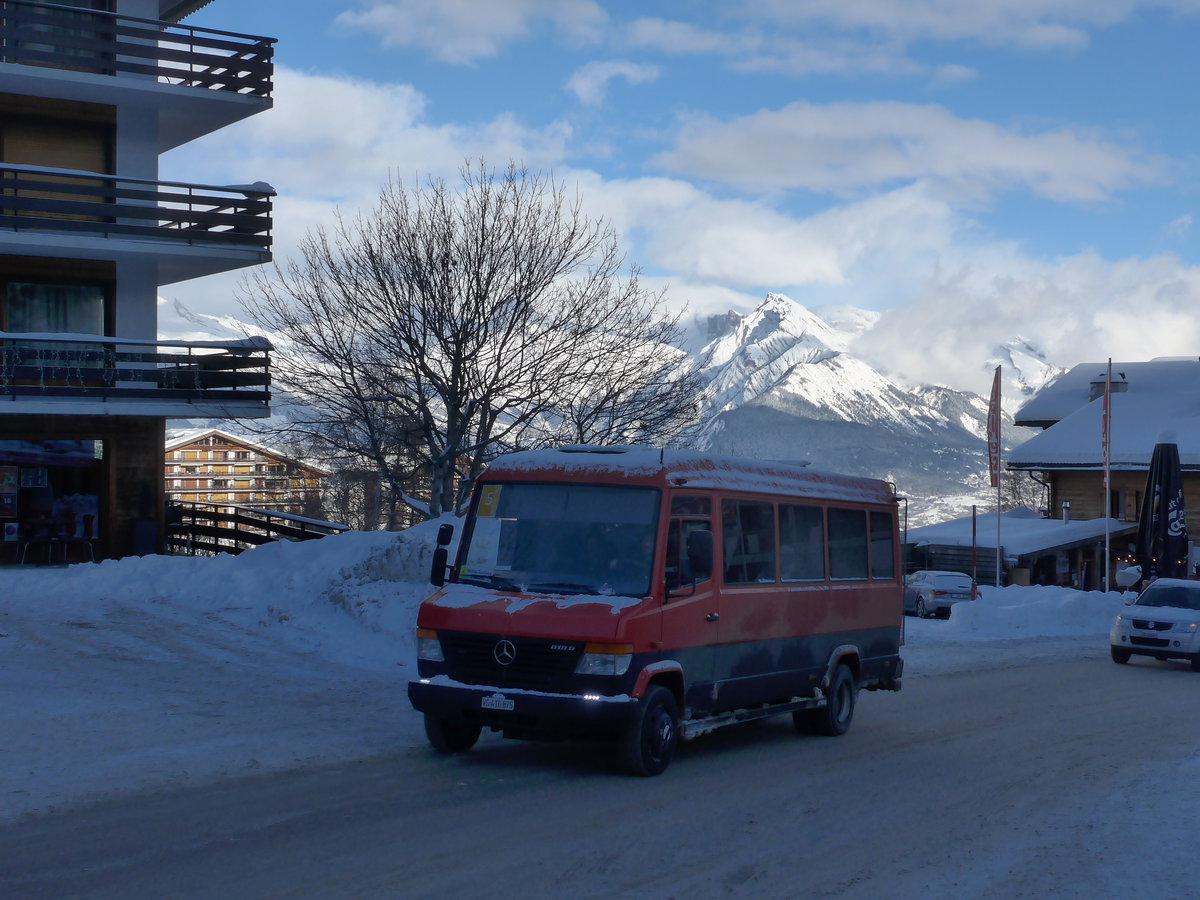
[649,743]
[451,735]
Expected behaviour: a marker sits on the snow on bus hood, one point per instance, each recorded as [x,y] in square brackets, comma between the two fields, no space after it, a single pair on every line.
[467,596]
[460,607]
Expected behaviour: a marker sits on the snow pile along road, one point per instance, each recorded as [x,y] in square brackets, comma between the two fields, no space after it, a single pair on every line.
[164,671]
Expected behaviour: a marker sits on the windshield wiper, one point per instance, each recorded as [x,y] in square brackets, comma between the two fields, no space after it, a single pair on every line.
[492,581]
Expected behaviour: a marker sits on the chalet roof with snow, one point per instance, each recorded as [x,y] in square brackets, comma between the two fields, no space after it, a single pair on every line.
[1151,401]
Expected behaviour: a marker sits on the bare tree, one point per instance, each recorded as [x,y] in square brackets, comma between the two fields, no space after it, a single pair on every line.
[464,320]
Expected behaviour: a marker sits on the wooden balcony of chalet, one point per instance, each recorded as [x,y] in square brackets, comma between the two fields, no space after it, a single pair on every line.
[97,375]
[112,44]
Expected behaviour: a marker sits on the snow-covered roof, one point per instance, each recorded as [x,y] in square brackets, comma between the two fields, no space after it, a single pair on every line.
[1139,421]
[698,470]
[1022,531]
[1073,389]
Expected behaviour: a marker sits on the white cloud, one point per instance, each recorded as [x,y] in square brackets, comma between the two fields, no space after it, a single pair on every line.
[465,31]
[850,147]
[590,81]
[685,38]
[337,139]
[1179,227]
[1029,23]
[1082,308]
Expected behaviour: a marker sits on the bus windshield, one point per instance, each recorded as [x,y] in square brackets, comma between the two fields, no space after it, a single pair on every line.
[562,539]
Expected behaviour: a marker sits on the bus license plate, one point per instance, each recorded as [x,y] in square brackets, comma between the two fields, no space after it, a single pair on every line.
[498,701]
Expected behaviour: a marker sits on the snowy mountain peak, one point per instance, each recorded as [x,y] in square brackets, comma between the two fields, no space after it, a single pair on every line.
[1024,371]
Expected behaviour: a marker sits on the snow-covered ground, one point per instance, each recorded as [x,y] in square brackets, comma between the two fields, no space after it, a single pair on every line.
[164,671]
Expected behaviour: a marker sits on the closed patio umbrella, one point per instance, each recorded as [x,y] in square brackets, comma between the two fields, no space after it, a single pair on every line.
[1162,540]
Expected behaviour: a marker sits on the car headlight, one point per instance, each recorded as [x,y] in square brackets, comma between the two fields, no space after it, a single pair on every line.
[1119,620]
[605,659]
[429,648]
[1186,627]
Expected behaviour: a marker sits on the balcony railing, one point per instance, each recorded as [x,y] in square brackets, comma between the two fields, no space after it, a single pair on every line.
[102,369]
[66,37]
[69,200]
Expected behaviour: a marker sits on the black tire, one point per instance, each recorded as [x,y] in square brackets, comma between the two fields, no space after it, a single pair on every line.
[451,735]
[1119,655]
[922,612]
[650,741]
[1196,663]
[835,716]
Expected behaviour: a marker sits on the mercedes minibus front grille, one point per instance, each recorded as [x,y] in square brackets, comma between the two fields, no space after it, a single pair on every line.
[535,664]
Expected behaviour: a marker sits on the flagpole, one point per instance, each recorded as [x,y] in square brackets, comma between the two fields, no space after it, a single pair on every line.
[999,479]
[1106,440]
[994,450]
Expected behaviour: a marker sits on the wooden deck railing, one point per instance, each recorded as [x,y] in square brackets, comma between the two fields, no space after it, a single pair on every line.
[67,37]
[37,198]
[208,528]
[103,369]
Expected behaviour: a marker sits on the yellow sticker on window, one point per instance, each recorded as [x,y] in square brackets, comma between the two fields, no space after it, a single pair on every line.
[489,499]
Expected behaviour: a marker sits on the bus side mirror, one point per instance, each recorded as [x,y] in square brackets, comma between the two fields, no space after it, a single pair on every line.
[700,554]
[437,572]
[441,556]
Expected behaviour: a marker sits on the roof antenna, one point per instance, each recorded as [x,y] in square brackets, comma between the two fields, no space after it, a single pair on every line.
[661,451]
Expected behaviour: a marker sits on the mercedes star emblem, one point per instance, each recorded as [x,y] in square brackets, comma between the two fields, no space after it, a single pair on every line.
[505,653]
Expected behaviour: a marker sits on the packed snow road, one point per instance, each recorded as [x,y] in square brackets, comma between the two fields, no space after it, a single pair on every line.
[1045,778]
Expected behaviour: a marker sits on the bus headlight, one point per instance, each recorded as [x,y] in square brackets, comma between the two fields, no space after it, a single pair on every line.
[605,659]
[429,648]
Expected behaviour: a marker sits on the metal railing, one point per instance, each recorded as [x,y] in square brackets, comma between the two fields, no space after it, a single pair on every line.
[103,369]
[67,37]
[47,199]
[209,528]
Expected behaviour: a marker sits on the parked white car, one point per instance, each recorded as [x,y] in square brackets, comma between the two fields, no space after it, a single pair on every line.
[929,592]
[1162,622]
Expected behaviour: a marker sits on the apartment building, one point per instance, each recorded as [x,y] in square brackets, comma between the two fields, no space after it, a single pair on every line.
[91,93]
[216,467]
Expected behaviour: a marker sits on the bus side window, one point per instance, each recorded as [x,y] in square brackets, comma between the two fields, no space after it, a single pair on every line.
[749,541]
[679,569]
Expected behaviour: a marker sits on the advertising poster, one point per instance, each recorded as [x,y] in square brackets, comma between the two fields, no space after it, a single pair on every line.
[8,492]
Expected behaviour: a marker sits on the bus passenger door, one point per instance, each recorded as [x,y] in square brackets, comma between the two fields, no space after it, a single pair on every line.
[691,615]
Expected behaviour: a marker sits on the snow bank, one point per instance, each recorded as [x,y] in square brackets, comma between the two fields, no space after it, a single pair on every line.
[165,671]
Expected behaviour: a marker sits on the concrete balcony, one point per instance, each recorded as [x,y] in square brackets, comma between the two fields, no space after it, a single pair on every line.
[95,375]
[196,79]
[191,229]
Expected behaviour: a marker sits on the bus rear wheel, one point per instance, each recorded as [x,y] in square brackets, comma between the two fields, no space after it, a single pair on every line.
[834,717]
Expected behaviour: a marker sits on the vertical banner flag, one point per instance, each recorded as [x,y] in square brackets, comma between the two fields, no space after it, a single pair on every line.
[993,431]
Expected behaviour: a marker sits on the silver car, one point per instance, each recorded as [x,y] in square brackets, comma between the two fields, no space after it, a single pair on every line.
[1162,622]
[932,593]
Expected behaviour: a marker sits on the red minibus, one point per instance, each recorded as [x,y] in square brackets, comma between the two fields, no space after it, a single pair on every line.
[652,595]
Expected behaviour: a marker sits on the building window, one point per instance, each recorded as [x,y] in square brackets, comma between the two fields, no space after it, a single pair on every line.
[33,306]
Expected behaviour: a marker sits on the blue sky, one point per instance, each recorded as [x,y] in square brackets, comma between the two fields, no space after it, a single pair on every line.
[972,171]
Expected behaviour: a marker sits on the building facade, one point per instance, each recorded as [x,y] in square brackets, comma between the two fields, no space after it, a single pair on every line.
[91,93]
[219,468]
[1150,401]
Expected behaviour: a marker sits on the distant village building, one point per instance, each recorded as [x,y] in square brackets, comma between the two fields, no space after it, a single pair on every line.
[1151,401]
[219,468]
